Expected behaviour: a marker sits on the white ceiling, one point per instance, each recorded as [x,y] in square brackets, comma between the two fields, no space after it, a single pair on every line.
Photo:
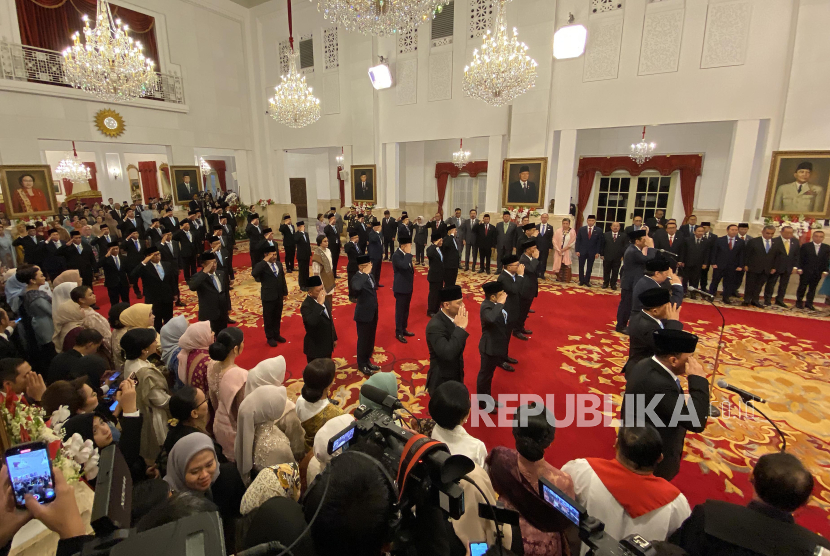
[249,3]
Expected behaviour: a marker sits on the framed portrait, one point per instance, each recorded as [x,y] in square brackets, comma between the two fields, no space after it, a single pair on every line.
[799,183]
[57,186]
[186,183]
[29,191]
[364,184]
[523,182]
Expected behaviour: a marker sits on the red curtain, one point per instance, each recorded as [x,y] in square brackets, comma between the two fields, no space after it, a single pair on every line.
[342,188]
[50,24]
[93,171]
[67,186]
[221,168]
[689,166]
[149,181]
[443,171]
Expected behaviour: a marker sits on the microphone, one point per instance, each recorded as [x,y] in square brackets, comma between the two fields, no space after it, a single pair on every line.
[701,292]
[667,252]
[745,396]
[380,397]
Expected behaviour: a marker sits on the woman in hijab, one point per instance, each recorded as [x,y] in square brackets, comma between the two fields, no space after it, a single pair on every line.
[72,312]
[8,257]
[321,445]
[153,394]
[194,359]
[281,480]
[259,441]
[13,289]
[192,465]
[271,372]
[67,276]
[118,330]
[170,335]
[280,519]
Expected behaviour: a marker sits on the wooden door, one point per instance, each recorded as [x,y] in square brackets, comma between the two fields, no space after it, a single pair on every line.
[298,196]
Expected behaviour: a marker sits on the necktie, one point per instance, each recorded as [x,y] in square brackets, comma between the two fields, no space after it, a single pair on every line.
[371,282]
[80,248]
[216,283]
[274,269]
[589,233]
[787,246]
[766,245]
[219,256]
[543,230]
[136,245]
[160,270]
[697,241]
[671,240]
[486,228]
[117,262]
[503,312]
[440,254]
[188,236]
[731,244]
[677,380]
[615,237]
[799,188]
[506,224]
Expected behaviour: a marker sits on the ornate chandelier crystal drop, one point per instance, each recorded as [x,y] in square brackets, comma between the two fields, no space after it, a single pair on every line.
[71,168]
[380,17]
[642,151]
[109,64]
[501,70]
[292,103]
[204,166]
[461,157]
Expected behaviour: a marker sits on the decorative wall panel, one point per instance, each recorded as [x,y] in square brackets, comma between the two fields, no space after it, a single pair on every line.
[406,81]
[662,34]
[440,76]
[285,50]
[602,52]
[408,41]
[331,53]
[482,13]
[602,6]
[727,33]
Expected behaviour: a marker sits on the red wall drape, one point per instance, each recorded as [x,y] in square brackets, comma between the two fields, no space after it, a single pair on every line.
[67,186]
[93,172]
[689,166]
[221,168]
[342,185]
[149,180]
[443,171]
[50,24]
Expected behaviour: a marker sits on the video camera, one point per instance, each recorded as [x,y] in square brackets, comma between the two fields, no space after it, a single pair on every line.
[591,530]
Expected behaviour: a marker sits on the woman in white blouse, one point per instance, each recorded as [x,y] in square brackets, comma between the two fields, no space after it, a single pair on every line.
[449,407]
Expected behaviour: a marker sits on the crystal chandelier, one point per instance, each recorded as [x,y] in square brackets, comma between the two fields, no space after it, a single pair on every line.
[502,70]
[292,103]
[71,168]
[380,17]
[109,65]
[642,151]
[461,157]
[204,166]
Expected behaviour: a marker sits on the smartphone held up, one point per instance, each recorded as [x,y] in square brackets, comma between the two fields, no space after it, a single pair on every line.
[30,472]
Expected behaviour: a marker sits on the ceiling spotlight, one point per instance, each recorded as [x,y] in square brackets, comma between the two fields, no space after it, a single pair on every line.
[569,41]
[380,75]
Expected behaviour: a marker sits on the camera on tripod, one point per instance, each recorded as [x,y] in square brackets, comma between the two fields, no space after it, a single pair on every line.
[591,530]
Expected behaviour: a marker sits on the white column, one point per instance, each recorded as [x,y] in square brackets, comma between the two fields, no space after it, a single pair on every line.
[739,174]
[393,174]
[565,172]
[495,156]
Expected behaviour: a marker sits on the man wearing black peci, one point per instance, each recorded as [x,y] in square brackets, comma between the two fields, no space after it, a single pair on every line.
[116,279]
[303,246]
[353,251]
[435,274]
[634,261]
[254,233]
[470,239]
[79,257]
[486,241]
[695,258]
[320,335]
[446,339]
[228,239]
[658,274]
[103,241]
[813,264]
[334,240]
[209,285]
[133,249]
[511,278]
[131,224]
[187,248]
[615,242]
[287,230]
[451,254]
[170,222]
[274,293]
[495,337]
[364,290]
[658,313]
[402,287]
[154,232]
[374,248]
[30,244]
[160,285]
[389,229]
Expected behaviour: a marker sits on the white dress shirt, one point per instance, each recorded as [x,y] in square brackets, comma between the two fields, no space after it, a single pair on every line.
[459,441]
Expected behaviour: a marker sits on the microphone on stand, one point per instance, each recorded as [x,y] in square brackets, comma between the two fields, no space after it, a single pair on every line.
[667,252]
[701,292]
[380,397]
[742,393]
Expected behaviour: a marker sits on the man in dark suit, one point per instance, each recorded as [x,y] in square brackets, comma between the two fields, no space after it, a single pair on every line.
[186,190]
[670,240]
[79,257]
[435,274]
[170,252]
[687,230]
[132,249]
[131,224]
[727,260]
[446,339]
[334,241]
[389,229]
[524,232]
[495,337]
[458,221]
[30,243]
[657,313]
[363,189]
[635,226]
[289,245]
[813,264]
[658,274]
[404,227]
[154,232]
[320,336]
[614,245]
[588,248]
[523,191]
[402,286]
[209,285]
[437,225]
[197,227]
[302,244]
[104,240]
[512,278]
[115,274]
[161,284]
[9,338]
[634,261]
[787,257]
[710,238]
[228,239]
[544,241]
[469,238]
[656,379]
[695,257]
[274,292]
[357,225]
[759,265]
[353,251]
[363,289]
[187,249]
[374,248]
[506,232]
[486,234]
[529,259]
[266,241]
[451,250]
[52,262]
[656,222]
[254,233]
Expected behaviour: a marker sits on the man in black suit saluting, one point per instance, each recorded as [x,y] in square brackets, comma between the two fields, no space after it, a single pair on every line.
[287,230]
[303,246]
[214,300]
[187,249]
[115,274]
[588,248]
[80,257]
[656,378]
[495,337]
[435,275]
[446,339]
[658,313]
[320,335]
[402,286]
[161,284]
[274,292]
[364,290]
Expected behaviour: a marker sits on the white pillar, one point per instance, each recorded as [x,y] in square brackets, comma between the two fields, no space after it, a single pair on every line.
[739,174]
[495,156]
[393,174]
[565,172]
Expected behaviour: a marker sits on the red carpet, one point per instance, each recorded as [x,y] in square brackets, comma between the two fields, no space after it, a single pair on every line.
[573,350]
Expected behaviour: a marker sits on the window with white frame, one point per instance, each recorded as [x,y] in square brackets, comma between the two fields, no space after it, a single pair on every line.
[306,48]
[467,193]
[620,197]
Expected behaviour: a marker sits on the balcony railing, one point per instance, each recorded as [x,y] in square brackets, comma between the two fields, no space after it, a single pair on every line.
[38,65]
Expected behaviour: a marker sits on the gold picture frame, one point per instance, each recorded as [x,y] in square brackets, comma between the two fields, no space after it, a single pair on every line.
[785,197]
[532,195]
[183,193]
[363,194]
[42,201]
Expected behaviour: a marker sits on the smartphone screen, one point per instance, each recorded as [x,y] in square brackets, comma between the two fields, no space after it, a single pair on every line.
[30,472]
[478,548]
[113,406]
[114,376]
